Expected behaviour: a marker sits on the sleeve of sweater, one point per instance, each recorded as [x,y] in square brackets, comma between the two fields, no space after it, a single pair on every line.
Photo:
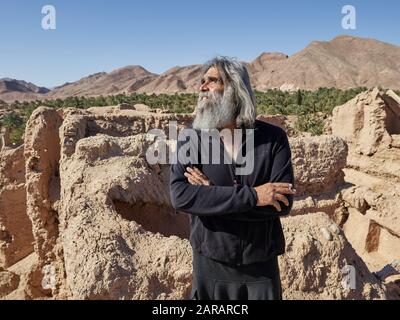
[208,200]
[281,171]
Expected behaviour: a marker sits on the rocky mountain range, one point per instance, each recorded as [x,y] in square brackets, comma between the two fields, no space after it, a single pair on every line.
[344,62]
[11,89]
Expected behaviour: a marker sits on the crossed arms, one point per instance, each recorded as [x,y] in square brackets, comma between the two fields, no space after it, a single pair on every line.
[191,192]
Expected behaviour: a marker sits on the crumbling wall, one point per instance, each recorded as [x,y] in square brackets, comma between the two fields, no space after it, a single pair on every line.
[16,239]
[318,163]
[375,217]
[42,154]
[392,121]
[370,124]
[5,140]
[316,260]
[113,249]
[9,282]
[368,120]
[104,228]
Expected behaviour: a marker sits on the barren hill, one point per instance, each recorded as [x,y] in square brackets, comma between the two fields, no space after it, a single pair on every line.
[126,79]
[11,89]
[176,79]
[344,62]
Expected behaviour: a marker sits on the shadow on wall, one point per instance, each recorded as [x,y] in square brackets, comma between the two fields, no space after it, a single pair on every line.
[155,218]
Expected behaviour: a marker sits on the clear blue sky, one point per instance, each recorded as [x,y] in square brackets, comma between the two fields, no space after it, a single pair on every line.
[100,35]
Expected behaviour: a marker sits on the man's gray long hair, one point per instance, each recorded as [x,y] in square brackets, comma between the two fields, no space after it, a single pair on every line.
[234,74]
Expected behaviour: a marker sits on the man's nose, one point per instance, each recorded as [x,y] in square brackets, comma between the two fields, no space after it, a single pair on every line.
[204,87]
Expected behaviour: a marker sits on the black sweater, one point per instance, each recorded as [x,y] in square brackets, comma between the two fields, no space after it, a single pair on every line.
[226,224]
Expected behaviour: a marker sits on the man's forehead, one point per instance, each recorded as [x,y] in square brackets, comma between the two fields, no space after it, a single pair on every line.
[212,72]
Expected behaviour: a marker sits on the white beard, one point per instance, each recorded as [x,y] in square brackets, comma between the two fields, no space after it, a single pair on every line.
[217,111]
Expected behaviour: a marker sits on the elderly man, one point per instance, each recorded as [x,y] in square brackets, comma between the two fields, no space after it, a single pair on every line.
[236,234]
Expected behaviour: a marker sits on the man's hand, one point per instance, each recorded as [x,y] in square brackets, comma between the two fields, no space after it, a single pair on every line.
[196,177]
[271,193]
[268,194]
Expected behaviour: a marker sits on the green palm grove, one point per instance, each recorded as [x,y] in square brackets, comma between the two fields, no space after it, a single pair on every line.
[311,107]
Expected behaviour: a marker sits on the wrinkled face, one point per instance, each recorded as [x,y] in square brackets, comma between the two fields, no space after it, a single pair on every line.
[212,81]
[215,106]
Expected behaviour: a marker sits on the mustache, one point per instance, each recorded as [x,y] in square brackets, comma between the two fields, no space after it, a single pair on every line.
[209,94]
